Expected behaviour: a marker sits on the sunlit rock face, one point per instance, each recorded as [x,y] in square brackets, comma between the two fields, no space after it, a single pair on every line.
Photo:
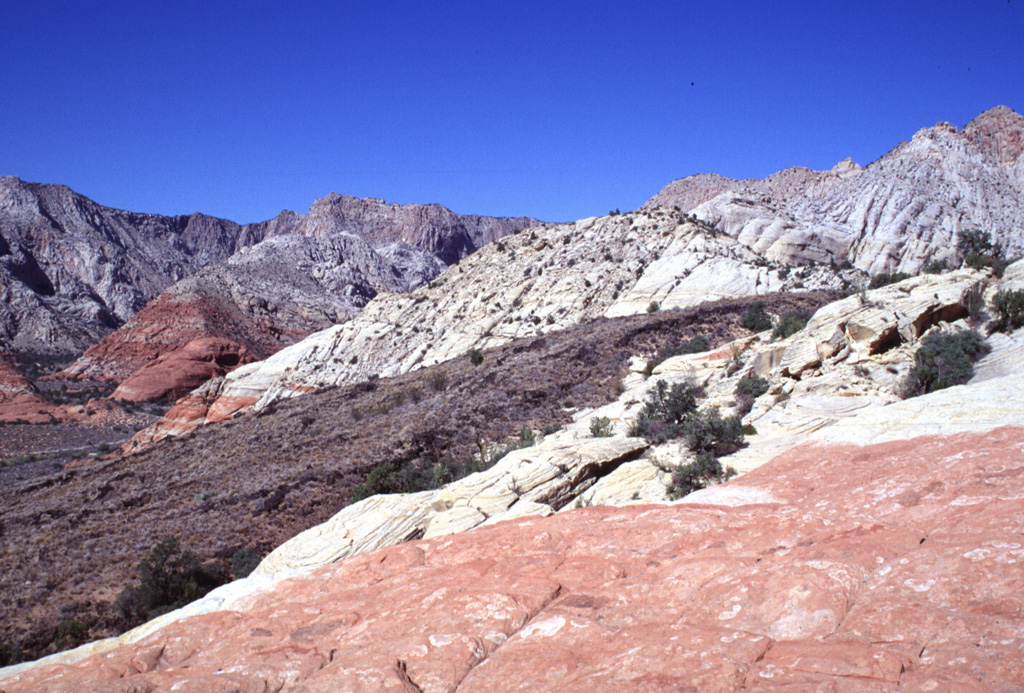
[867,568]
[897,213]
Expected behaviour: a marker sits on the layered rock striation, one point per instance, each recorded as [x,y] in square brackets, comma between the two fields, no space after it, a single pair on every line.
[73,270]
[908,207]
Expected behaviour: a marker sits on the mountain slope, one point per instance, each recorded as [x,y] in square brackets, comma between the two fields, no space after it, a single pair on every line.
[73,270]
[906,208]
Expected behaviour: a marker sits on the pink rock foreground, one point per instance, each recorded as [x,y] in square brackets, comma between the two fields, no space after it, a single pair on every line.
[898,565]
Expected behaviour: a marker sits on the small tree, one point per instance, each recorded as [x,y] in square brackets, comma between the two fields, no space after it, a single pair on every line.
[600,427]
[1009,308]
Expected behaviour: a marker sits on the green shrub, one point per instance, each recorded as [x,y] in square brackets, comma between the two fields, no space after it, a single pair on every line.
[885,279]
[70,634]
[243,562]
[979,251]
[1009,308]
[708,432]
[944,359]
[755,318]
[653,307]
[753,385]
[695,475]
[476,357]
[697,345]
[790,323]
[600,427]
[934,267]
[169,578]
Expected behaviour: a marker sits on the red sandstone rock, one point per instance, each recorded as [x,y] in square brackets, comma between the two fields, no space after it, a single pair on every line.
[182,370]
[891,566]
[169,324]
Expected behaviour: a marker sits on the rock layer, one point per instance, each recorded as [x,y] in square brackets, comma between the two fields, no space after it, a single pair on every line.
[906,208]
[859,568]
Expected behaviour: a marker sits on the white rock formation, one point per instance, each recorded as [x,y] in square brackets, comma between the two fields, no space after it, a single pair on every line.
[898,212]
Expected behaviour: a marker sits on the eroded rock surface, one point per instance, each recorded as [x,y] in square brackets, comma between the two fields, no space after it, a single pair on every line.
[897,213]
[856,568]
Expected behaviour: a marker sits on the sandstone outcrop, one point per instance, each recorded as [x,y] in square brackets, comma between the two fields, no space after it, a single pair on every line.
[840,373]
[532,283]
[900,211]
[857,568]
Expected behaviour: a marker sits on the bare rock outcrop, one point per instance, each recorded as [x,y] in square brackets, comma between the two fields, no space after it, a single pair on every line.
[906,208]
[544,279]
[867,568]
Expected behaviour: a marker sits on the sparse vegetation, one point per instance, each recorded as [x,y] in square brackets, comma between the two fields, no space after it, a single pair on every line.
[169,578]
[944,359]
[695,345]
[653,307]
[243,562]
[1009,311]
[600,427]
[979,251]
[886,278]
[755,318]
[476,357]
[790,323]
[671,412]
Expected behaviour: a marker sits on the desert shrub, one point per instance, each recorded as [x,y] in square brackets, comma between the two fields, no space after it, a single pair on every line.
[753,385]
[1009,311]
[653,307]
[944,359]
[696,345]
[70,634]
[438,380]
[695,475]
[243,562]
[790,323]
[169,578]
[755,318]
[979,251]
[476,357]
[934,267]
[600,427]
[886,278]
[709,432]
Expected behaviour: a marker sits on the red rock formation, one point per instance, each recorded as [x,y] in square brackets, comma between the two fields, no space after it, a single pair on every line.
[180,371]
[20,399]
[890,566]
[168,325]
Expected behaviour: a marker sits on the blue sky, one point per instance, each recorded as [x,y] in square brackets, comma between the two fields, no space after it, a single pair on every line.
[554,110]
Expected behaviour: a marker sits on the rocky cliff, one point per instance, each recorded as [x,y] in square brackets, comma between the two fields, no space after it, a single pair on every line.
[73,270]
[906,208]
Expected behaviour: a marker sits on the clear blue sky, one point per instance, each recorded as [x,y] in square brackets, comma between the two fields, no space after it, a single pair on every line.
[554,110]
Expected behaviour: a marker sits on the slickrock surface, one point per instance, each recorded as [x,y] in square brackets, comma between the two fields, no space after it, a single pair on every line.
[837,377]
[71,540]
[907,207]
[887,566]
[528,284]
